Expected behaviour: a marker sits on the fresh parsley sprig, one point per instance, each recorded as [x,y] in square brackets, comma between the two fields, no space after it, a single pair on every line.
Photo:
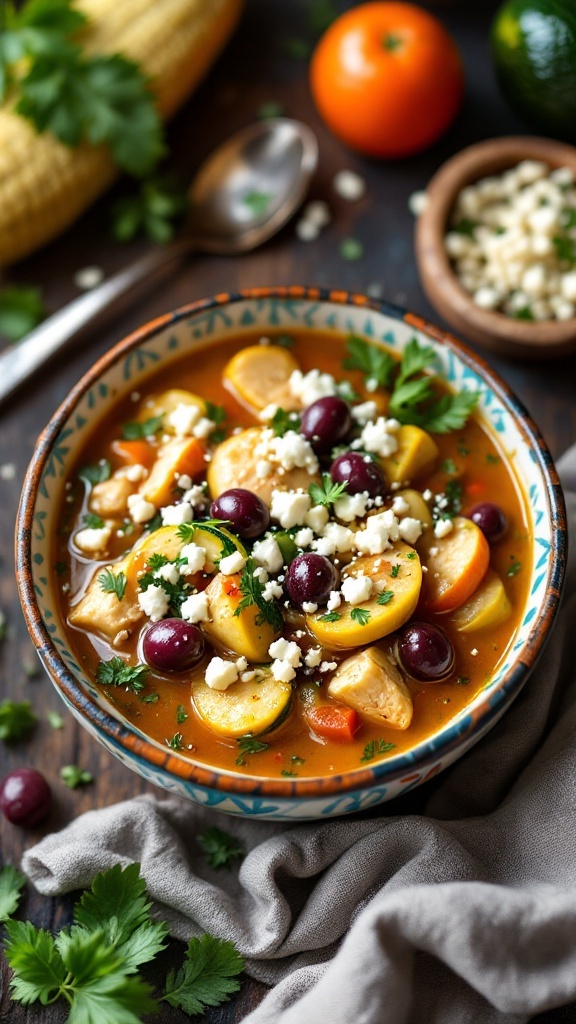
[220,848]
[73,776]
[326,493]
[113,583]
[375,747]
[16,719]
[11,885]
[253,590]
[283,421]
[96,473]
[116,672]
[377,365]
[139,431]
[208,976]
[21,309]
[153,211]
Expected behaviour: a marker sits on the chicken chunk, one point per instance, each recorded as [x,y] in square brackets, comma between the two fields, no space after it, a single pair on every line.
[110,497]
[370,683]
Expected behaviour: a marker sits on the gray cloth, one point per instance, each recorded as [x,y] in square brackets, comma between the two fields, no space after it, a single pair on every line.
[463,915]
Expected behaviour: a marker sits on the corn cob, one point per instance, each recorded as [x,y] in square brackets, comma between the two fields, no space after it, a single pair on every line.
[44,185]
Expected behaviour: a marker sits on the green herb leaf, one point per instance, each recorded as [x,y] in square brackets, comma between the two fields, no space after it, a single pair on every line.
[523,314]
[39,972]
[395,570]
[181,714]
[249,745]
[11,884]
[297,760]
[113,584]
[449,412]
[177,741]
[150,698]
[449,466]
[135,431]
[374,362]
[283,421]
[384,597]
[326,493]
[117,672]
[330,617]
[208,976]
[257,202]
[93,522]
[220,848]
[21,309]
[514,567]
[153,211]
[463,680]
[16,719]
[218,415]
[492,459]
[186,532]
[415,359]
[351,250]
[465,226]
[283,340]
[252,590]
[360,615]
[288,774]
[73,776]
[97,473]
[375,747]
[55,720]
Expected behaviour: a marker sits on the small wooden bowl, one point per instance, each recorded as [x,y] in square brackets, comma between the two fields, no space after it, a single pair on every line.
[494,331]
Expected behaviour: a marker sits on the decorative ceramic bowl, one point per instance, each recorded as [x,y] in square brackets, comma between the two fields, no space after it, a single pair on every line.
[129,366]
[494,331]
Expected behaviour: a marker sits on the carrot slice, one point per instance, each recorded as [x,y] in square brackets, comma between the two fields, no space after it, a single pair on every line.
[456,565]
[333,721]
[182,456]
[134,453]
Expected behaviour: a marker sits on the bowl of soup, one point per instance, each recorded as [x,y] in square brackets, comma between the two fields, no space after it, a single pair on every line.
[290,552]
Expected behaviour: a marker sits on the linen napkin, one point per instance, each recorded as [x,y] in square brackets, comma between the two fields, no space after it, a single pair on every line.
[463,915]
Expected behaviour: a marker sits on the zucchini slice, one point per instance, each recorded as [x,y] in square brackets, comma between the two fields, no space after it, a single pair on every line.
[254,707]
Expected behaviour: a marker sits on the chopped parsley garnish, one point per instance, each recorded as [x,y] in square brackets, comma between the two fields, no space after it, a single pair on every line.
[11,884]
[465,226]
[326,493]
[21,309]
[395,570]
[411,555]
[523,314]
[97,473]
[16,719]
[220,848]
[249,745]
[218,415]
[55,720]
[288,774]
[514,568]
[150,698]
[92,968]
[463,680]
[113,584]
[181,714]
[257,202]
[450,503]
[375,363]
[492,459]
[462,449]
[449,466]
[283,421]
[384,597]
[375,747]
[135,431]
[360,615]
[252,590]
[93,522]
[351,249]
[177,741]
[73,776]
[297,760]
[116,672]
[175,592]
[283,340]
[330,617]
[186,533]
[152,211]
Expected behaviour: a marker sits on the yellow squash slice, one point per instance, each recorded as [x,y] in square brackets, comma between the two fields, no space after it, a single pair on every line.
[234,465]
[417,453]
[259,375]
[244,709]
[242,633]
[488,606]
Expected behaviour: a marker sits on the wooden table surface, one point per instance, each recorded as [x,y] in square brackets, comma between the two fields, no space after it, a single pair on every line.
[258,67]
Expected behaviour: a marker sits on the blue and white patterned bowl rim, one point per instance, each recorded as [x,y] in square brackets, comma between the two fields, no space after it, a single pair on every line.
[129,367]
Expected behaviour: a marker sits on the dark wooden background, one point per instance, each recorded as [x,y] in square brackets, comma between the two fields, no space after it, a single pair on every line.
[258,67]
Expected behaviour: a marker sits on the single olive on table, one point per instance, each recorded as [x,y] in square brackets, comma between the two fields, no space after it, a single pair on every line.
[25,797]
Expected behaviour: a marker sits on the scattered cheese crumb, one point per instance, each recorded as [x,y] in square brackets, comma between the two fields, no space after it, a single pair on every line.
[379,437]
[195,608]
[7,471]
[443,527]
[304,537]
[267,554]
[272,591]
[410,529]
[356,589]
[349,185]
[141,511]
[364,412]
[289,508]
[183,419]
[231,564]
[309,387]
[176,515]
[351,506]
[88,277]
[220,674]
[195,559]
[306,230]
[334,601]
[309,607]
[154,602]
[317,518]
[91,541]
[313,657]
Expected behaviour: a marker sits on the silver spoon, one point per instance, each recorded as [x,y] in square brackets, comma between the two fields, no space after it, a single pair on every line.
[241,196]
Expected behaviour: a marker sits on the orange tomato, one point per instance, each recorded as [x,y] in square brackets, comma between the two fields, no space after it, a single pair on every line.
[387,79]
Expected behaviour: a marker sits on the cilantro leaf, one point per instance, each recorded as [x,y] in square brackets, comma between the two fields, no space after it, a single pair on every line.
[113,584]
[218,415]
[249,745]
[326,493]
[375,363]
[283,421]
[39,972]
[375,747]
[135,431]
[252,590]
[360,615]
[16,719]
[407,394]
[220,848]
[21,309]
[330,617]
[449,412]
[181,714]
[415,358]
[385,596]
[116,672]
[93,522]
[208,976]
[73,776]
[97,473]
[257,202]
[11,882]
[153,211]
[176,742]
[395,570]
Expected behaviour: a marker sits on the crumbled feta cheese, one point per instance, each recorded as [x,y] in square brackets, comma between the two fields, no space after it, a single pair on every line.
[443,527]
[176,515]
[285,650]
[272,591]
[313,657]
[195,496]
[349,185]
[183,419]
[267,554]
[378,534]
[260,574]
[268,412]
[264,469]
[282,671]
[306,230]
[334,601]
[220,674]
[241,664]
[351,506]
[231,564]
[427,494]
[7,471]
[474,652]
[169,572]
[195,608]
[291,451]
[356,589]
[328,666]
[304,537]
[309,387]
[195,559]
[135,473]
[418,202]
[341,537]
[141,511]
[154,602]
[309,607]
[184,482]
[203,427]
[365,412]
[400,506]
[568,286]
[317,518]
[379,437]
[91,540]
[247,677]
[410,529]
[88,278]
[317,212]
[289,508]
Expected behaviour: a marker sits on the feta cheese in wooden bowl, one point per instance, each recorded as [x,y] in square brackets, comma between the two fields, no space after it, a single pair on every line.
[496,245]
